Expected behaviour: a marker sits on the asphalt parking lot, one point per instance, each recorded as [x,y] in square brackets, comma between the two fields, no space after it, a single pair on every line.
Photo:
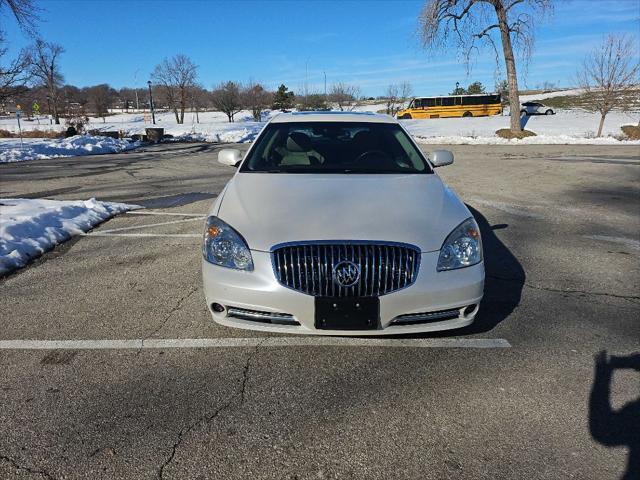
[126,397]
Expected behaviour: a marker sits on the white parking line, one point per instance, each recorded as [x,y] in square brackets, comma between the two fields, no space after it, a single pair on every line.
[148,226]
[253,342]
[168,235]
[139,212]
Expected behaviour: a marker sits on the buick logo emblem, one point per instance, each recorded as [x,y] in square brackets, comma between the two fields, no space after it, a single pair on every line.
[346,273]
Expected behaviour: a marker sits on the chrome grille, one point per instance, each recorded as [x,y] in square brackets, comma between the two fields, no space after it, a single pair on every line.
[308,267]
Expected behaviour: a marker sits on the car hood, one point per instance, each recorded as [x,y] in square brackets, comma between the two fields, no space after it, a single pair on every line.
[268,209]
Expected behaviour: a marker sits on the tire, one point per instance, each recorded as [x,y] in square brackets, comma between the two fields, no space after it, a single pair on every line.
[549,112]
[406,116]
[467,114]
[523,112]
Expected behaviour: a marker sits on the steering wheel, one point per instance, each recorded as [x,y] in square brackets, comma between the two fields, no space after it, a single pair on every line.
[371,153]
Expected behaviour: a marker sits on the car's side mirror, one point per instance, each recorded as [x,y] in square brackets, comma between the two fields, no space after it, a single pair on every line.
[229,156]
[440,158]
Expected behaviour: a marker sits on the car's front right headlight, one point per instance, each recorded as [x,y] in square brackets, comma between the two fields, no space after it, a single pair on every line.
[462,248]
[223,246]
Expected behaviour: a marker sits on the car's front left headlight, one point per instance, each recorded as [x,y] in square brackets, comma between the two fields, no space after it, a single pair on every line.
[223,246]
[462,248]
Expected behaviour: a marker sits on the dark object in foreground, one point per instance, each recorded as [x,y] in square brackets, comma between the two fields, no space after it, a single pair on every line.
[615,428]
[155,135]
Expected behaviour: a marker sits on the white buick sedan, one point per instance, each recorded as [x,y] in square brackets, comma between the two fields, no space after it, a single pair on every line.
[336,224]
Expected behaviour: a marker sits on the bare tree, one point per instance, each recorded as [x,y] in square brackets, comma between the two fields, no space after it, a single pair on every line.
[256,99]
[227,98]
[200,98]
[396,96]
[609,75]
[344,95]
[127,98]
[100,98]
[312,102]
[176,76]
[391,96]
[471,24]
[14,74]
[25,13]
[45,67]
[404,93]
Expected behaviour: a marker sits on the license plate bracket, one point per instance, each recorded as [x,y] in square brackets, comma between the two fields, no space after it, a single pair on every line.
[347,313]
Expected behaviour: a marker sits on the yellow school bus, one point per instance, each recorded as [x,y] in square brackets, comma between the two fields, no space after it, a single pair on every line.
[453,106]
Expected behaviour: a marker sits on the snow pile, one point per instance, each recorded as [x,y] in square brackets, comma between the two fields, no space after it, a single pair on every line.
[222,133]
[41,148]
[28,228]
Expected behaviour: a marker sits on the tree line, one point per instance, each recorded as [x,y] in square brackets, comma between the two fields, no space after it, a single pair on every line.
[38,80]
[35,78]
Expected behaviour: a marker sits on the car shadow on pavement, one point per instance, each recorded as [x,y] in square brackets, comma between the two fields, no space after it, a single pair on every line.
[504,280]
[615,428]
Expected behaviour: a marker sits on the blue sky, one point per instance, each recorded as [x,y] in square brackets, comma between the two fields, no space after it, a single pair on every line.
[368,43]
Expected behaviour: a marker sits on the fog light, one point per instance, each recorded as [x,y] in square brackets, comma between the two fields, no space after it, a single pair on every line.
[469,310]
[216,307]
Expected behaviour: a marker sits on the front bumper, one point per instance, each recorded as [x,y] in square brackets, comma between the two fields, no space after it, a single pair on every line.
[259,291]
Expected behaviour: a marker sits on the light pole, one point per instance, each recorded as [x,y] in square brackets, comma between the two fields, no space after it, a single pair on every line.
[153,113]
[49,109]
[135,88]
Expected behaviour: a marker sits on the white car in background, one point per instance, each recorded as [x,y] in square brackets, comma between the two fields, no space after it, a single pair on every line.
[535,108]
[336,224]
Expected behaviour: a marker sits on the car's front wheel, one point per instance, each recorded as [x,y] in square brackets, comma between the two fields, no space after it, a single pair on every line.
[549,112]
[523,112]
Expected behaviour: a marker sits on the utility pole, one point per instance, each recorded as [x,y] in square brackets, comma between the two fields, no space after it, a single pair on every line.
[306,78]
[153,113]
[18,115]
[325,84]
[135,88]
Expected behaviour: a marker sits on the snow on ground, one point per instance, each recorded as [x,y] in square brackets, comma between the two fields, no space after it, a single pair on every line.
[28,228]
[566,127]
[11,150]
[206,126]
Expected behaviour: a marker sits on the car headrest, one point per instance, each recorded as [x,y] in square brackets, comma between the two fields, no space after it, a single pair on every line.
[298,142]
[365,138]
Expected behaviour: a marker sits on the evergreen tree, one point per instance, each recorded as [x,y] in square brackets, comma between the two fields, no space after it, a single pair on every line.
[283,98]
[472,89]
[475,88]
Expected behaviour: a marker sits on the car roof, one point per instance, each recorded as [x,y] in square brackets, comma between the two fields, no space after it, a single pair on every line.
[368,117]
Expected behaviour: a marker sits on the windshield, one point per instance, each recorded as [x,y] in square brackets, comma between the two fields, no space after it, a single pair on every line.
[335,147]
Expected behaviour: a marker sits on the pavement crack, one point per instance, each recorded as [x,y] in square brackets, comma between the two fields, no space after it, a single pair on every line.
[208,418]
[18,466]
[166,318]
[630,298]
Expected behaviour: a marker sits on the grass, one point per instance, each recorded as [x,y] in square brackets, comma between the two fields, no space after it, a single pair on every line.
[583,101]
[631,131]
[32,134]
[508,134]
